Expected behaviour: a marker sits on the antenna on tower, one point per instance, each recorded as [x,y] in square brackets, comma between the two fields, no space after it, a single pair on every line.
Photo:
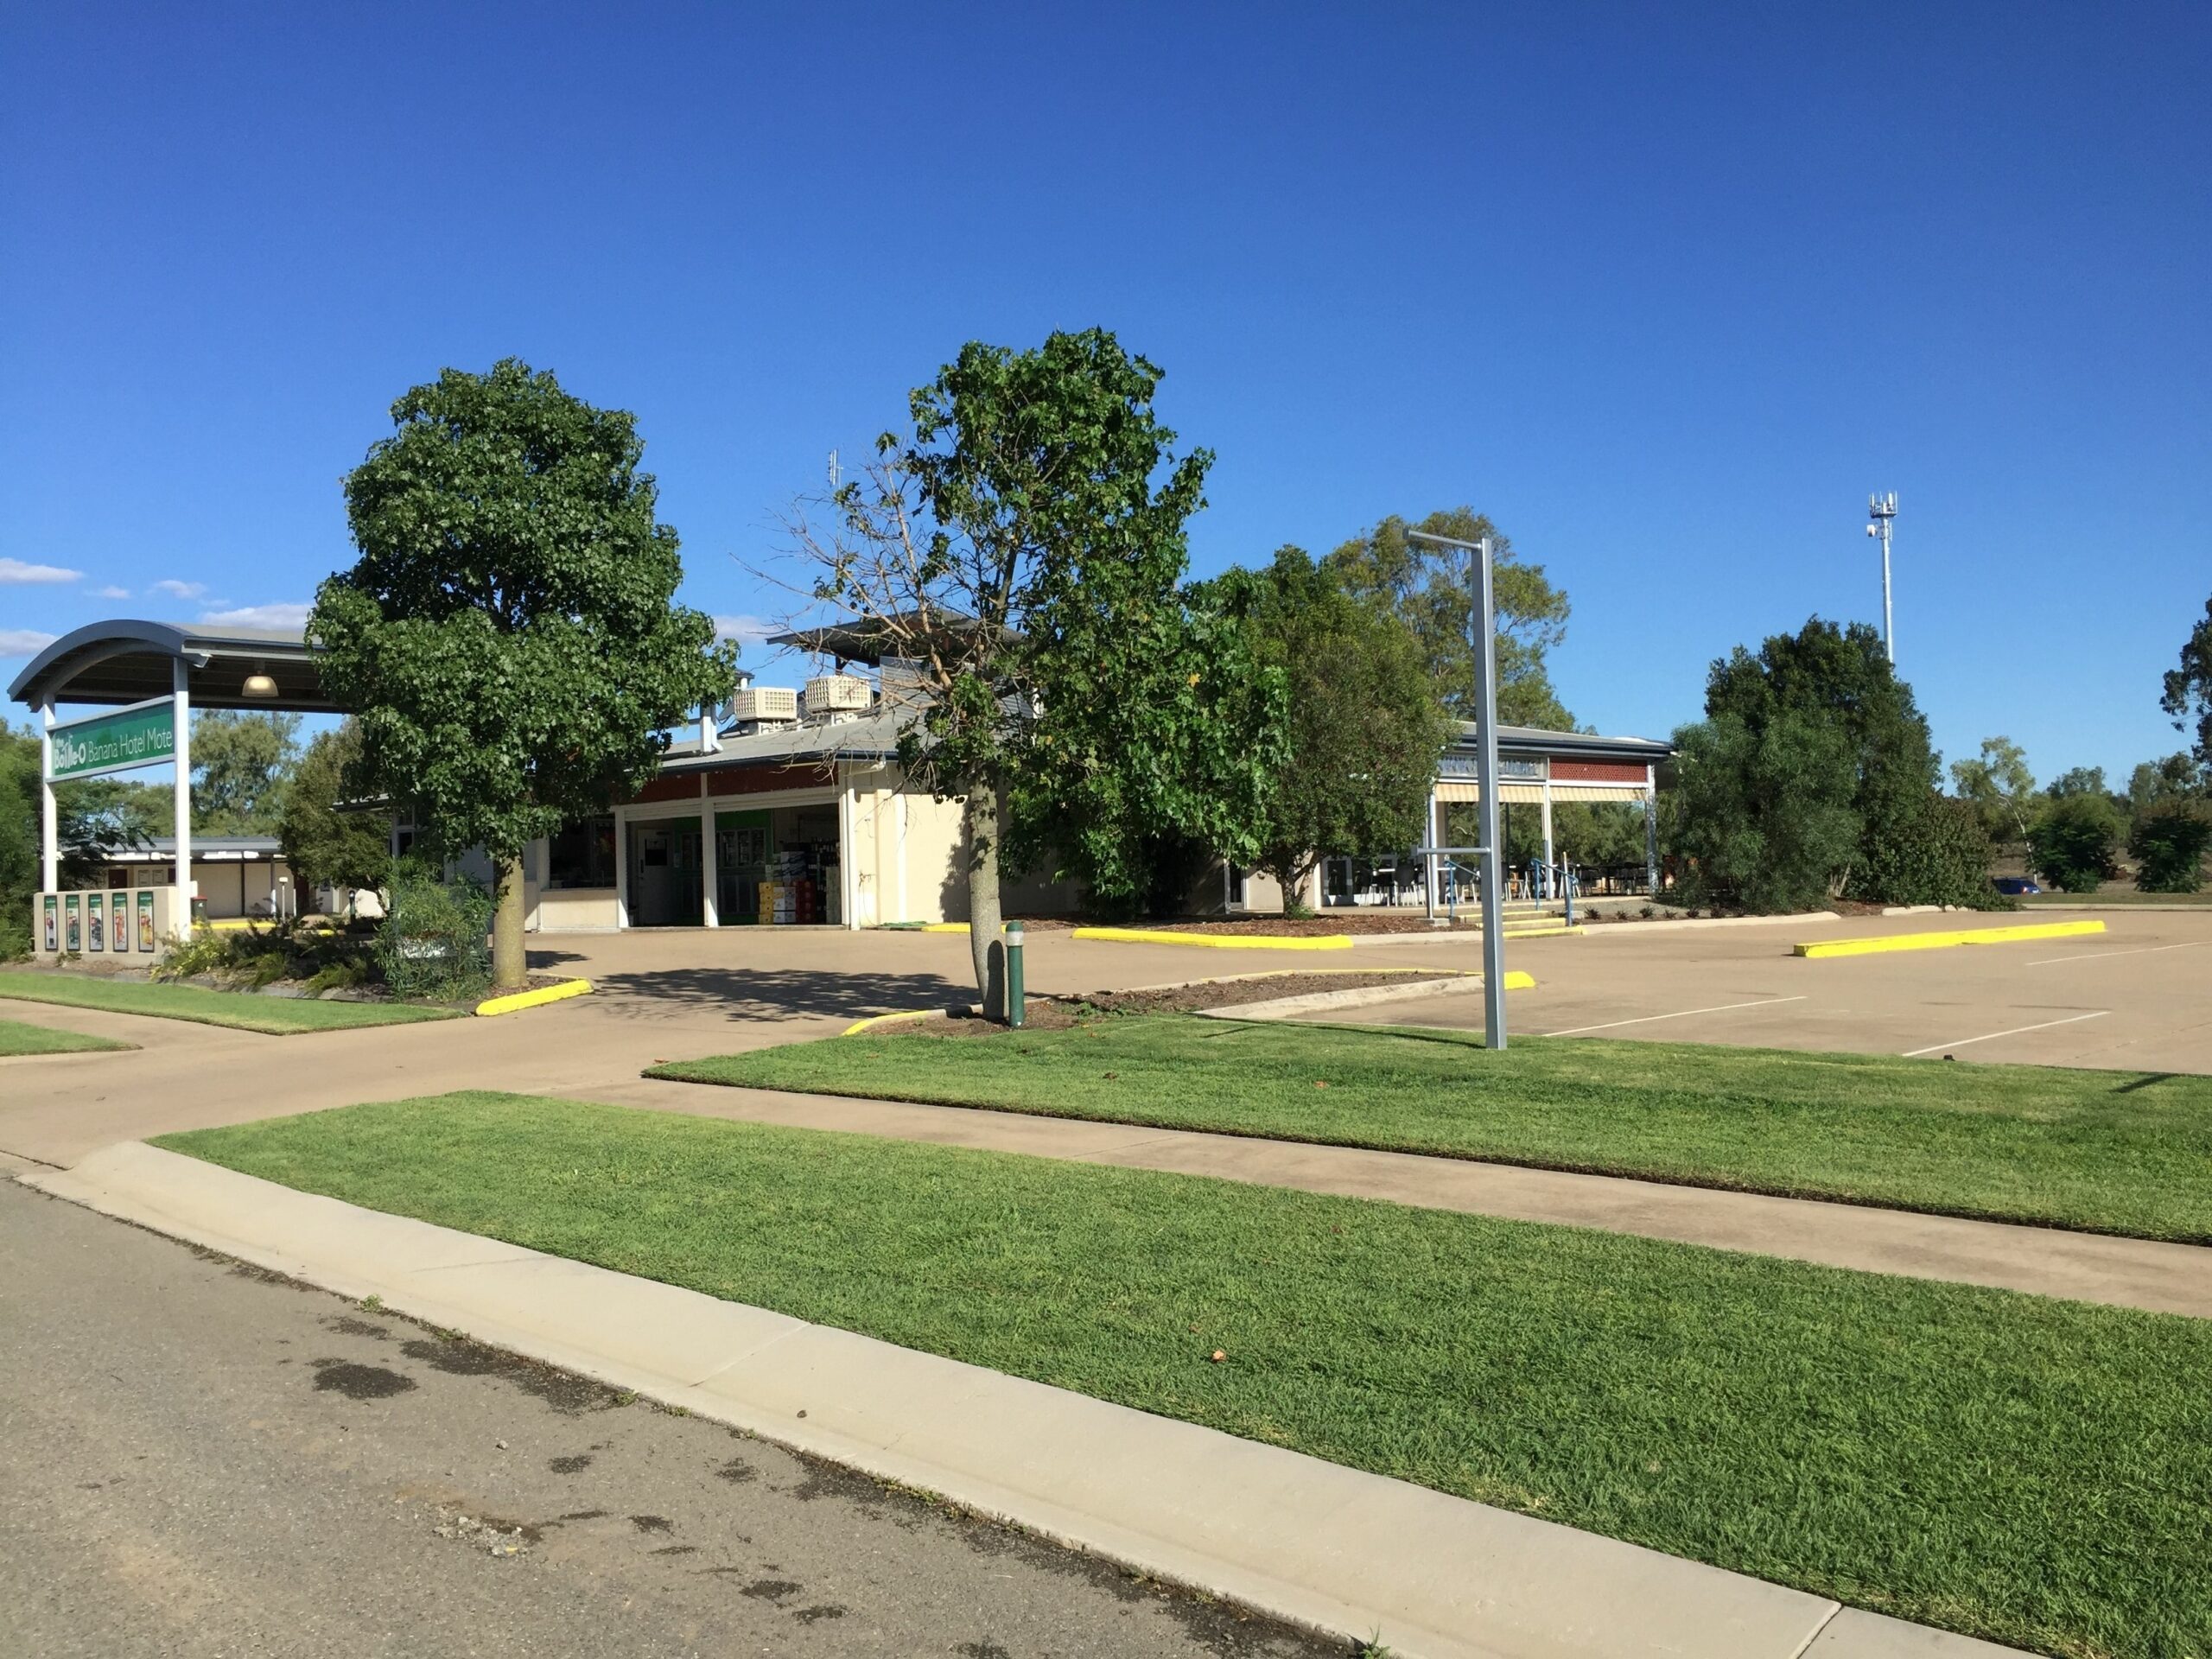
[1881,511]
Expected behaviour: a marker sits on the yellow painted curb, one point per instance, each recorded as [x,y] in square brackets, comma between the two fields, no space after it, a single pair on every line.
[518,1001]
[1561,931]
[943,927]
[859,1026]
[1517,981]
[1867,947]
[1218,942]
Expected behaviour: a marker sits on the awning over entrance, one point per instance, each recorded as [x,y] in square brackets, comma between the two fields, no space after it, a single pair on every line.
[130,660]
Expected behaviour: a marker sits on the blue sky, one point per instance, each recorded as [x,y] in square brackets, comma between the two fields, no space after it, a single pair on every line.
[1665,290]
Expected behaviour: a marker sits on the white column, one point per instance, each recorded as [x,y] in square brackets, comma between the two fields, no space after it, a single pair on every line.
[1548,873]
[49,817]
[621,867]
[709,870]
[1430,886]
[1651,826]
[848,872]
[181,711]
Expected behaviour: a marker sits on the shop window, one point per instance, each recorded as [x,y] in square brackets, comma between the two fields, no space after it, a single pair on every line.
[581,855]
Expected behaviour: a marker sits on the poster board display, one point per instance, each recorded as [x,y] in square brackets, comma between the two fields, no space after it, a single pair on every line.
[146,920]
[72,923]
[50,939]
[95,922]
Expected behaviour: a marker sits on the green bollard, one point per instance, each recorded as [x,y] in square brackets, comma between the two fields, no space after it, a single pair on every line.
[1013,986]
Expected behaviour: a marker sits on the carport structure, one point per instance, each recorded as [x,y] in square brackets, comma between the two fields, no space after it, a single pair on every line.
[149,677]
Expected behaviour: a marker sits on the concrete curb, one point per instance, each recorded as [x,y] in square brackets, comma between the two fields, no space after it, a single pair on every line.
[859,1026]
[1217,941]
[1954,939]
[1360,996]
[1352,1554]
[517,1001]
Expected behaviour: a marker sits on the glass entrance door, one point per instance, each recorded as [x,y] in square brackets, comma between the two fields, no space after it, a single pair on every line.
[666,874]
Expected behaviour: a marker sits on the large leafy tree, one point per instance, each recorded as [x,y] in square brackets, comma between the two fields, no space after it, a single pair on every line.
[328,840]
[2000,787]
[1431,591]
[1832,688]
[2188,695]
[1761,811]
[1365,726]
[509,638]
[1022,551]
[240,766]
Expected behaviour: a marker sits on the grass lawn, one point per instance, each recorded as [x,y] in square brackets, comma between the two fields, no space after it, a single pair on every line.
[2104,1151]
[15,1037]
[2027,1469]
[277,1016]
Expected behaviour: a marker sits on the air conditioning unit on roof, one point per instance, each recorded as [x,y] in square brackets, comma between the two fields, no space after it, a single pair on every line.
[837,696]
[765,705]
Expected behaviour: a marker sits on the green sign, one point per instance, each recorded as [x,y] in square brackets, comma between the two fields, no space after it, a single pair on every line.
[144,735]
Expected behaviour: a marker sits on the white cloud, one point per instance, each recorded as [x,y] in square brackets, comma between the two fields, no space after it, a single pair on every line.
[746,630]
[109,592]
[23,642]
[176,589]
[16,570]
[259,616]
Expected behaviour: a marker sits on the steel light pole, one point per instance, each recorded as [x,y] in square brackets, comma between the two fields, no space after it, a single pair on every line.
[1482,628]
[1881,512]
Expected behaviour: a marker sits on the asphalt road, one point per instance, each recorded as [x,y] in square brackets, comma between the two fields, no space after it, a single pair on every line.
[202,1459]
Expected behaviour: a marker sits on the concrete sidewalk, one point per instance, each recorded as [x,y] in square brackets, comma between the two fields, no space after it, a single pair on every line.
[2043,1260]
[1353,1554]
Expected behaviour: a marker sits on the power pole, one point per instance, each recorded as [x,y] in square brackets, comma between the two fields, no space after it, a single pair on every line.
[1881,512]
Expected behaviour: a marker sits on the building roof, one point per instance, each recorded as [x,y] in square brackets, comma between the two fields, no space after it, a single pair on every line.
[129,659]
[1530,742]
[160,849]
[871,737]
[869,639]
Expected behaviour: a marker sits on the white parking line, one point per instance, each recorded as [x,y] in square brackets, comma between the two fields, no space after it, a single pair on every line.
[1718,1007]
[2141,951]
[1990,1037]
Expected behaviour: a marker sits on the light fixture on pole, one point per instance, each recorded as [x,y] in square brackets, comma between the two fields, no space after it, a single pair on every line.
[1881,511]
[258,684]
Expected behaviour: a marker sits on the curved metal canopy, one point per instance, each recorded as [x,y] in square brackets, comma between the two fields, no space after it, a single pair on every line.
[129,660]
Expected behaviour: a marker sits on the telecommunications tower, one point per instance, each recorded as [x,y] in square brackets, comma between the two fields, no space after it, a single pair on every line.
[1881,511]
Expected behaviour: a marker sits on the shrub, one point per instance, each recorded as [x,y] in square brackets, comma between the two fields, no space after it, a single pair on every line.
[206,952]
[434,940]
[2168,844]
[2072,842]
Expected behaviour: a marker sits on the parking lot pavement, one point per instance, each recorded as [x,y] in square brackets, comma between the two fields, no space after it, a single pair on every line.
[2138,997]
[206,1460]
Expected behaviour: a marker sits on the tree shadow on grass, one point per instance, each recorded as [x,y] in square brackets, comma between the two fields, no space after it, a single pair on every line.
[775,993]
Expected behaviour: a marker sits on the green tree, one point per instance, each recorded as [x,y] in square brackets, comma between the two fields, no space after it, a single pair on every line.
[2189,688]
[2000,787]
[2168,843]
[2079,781]
[327,842]
[2072,842]
[1838,681]
[1023,552]
[1762,814]
[20,873]
[1365,727]
[2177,777]
[509,638]
[240,765]
[1433,595]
